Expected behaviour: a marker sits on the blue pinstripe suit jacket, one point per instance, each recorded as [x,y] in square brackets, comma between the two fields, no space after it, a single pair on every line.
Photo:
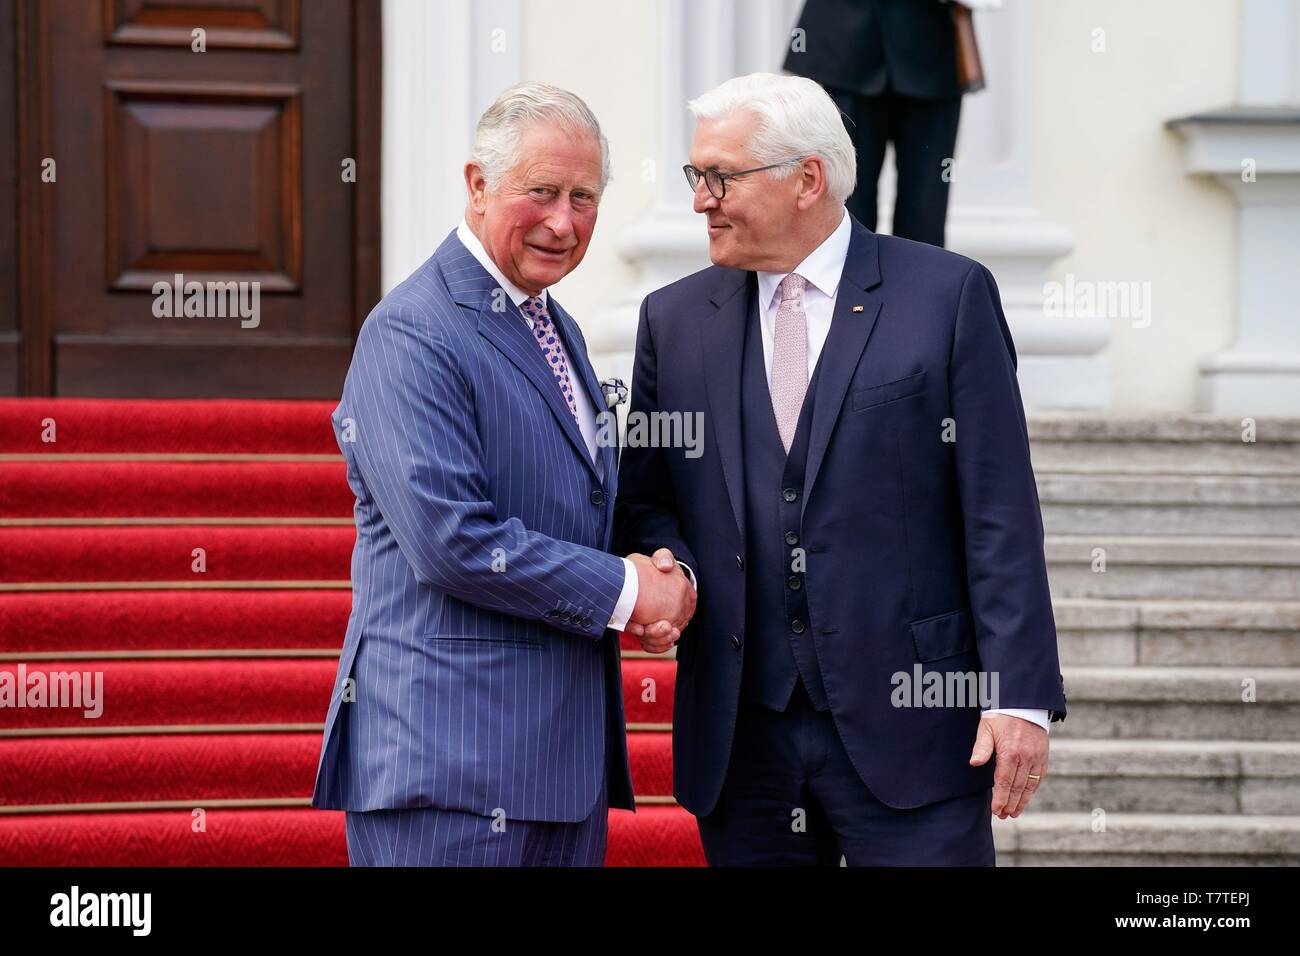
[477,673]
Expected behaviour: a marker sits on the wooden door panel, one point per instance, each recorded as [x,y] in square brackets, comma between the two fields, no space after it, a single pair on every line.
[217,167]
[243,144]
[252,24]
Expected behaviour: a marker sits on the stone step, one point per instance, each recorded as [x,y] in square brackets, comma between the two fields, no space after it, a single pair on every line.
[1171,444]
[1171,776]
[1153,504]
[1146,839]
[1100,633]
[1149,566]
[1181,703]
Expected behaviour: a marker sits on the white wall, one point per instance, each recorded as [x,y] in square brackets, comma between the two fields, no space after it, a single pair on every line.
[607,52]
[1102,163]
[1105,167]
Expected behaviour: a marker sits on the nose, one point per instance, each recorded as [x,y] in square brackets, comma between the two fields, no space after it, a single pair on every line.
[704,200]
[560,221]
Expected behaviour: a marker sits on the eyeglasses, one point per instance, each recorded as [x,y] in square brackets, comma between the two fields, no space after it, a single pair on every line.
[716,182]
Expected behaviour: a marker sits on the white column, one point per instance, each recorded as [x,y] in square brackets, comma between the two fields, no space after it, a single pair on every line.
[444,63]
[1253,149]
[1062,362]
[704,42]
[990,219]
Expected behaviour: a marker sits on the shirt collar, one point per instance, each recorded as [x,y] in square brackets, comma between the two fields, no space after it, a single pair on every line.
[471,243]
[822,268]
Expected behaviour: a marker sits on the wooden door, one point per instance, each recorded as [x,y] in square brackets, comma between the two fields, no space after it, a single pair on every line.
[197,193]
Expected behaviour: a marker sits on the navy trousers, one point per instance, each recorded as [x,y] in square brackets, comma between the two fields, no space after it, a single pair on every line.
[792,798]
[429,836]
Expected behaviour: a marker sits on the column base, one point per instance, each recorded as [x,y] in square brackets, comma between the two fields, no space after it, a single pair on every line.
[1064,382]
[1240,383]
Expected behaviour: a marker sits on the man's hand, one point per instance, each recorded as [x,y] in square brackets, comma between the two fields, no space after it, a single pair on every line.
[665,601]
[1021,748]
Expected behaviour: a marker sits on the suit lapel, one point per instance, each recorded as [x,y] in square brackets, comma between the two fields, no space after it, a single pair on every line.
[575,346]
[509,333]
[844,343]
[470,285]
[723,349]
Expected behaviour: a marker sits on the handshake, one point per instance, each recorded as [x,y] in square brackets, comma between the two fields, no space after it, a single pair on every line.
[665,601]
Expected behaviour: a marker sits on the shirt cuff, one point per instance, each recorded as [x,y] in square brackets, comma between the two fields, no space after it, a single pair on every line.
[690,575]
[1035,716]
[626,598]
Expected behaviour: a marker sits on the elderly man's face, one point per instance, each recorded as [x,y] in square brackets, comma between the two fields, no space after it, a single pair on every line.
[538,221]
[749,227]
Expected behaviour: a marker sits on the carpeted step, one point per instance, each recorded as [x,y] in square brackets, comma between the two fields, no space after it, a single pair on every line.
[653,836]
[225,691]
[156,489]
[45,771]
[648,690]
[650,752]
[106,426]
[166,554]
[168,693]
[234,837]
[54,622]
[41,771]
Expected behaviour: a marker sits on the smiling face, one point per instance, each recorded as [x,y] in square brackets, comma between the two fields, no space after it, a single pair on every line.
[750,227]
[538,221]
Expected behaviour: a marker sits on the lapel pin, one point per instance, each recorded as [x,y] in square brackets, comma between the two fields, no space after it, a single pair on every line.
[857,308]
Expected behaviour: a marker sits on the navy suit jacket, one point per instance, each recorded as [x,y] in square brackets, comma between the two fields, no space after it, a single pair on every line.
[477,673]
[918,550]
[866,47]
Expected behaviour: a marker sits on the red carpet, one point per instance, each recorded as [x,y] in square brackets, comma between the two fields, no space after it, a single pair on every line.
[216,678]
[95,426]
[167,553]
[66,622]
[117,489]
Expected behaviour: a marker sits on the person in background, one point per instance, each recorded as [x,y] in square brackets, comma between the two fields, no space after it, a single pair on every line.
[891,68]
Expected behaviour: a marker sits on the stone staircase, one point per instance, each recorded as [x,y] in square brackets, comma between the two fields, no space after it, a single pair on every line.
[1173,550]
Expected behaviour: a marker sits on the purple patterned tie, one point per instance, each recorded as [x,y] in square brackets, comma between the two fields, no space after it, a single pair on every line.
[789,356]
[549,341]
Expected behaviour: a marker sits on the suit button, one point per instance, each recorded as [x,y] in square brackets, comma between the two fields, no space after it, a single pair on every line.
[797,626]
[794,582]
[598,497]
[792,538]
[735,642]
[790,494]
[740,562]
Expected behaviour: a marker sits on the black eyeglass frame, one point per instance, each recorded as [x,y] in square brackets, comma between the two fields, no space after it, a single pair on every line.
[694,174]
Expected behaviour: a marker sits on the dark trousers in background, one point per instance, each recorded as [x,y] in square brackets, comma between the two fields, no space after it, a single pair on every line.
[924,133]
[783,761]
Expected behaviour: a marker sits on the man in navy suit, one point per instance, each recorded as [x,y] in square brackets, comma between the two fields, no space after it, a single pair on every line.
[873,665]
[477,714]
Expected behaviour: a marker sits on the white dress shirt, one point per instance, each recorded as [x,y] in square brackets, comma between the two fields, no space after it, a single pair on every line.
[822,268]
[586,411]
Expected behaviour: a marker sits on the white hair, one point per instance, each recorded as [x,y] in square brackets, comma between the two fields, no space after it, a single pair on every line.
[796,118]
[496,141]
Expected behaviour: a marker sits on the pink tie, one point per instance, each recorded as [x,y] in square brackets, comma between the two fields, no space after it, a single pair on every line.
[789,356]
[552,348]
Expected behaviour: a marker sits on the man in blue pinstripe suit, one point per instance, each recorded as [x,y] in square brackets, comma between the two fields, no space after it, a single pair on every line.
[477,714]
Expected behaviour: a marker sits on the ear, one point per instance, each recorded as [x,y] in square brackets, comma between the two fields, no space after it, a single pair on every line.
[812,182]
[476,187]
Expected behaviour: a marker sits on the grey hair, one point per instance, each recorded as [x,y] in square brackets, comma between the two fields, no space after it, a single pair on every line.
[496,141]
[796,118]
